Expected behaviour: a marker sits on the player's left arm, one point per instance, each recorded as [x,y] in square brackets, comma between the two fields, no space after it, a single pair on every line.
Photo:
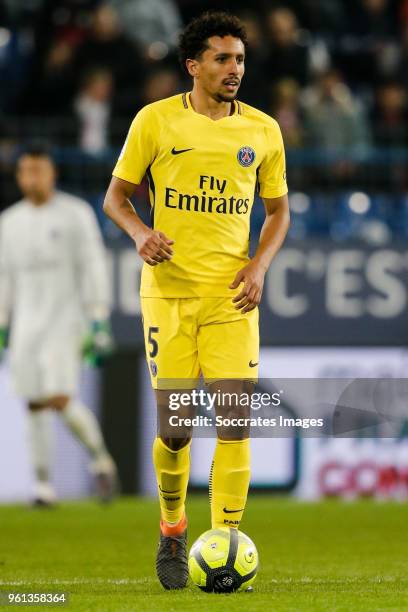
[272,235]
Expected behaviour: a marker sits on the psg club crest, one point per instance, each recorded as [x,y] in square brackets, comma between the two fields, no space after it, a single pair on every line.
[246,156]
[153,368]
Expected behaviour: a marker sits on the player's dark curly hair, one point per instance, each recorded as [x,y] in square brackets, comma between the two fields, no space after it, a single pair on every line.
[194,40]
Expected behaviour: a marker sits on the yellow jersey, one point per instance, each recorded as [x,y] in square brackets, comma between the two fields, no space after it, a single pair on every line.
[202,177]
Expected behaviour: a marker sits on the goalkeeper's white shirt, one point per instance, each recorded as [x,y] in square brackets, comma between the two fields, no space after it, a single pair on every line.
[53,277]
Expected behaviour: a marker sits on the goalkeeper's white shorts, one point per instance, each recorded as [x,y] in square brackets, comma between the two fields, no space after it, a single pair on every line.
[37,375]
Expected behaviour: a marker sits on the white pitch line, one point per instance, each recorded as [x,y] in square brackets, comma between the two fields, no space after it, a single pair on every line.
[135,581]
[76,581]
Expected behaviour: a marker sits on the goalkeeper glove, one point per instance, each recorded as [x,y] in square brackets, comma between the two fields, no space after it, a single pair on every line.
[98,344]
[3,341]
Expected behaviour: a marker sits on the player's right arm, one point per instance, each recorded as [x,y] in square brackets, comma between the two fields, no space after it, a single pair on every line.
[138,153]
[153,247]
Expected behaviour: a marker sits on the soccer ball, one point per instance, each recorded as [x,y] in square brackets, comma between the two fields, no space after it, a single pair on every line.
[223,560]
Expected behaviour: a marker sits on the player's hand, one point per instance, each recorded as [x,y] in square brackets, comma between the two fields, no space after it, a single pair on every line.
[98,344]
[252,275]
[154,247]
[3,341]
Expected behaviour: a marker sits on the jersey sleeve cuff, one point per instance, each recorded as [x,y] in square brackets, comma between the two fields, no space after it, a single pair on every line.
[273,192]
[125,177]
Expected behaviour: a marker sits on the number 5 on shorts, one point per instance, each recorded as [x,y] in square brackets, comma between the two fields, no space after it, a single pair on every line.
[153,342]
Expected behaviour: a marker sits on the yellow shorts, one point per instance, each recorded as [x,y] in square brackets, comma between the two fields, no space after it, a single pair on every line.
[186,337]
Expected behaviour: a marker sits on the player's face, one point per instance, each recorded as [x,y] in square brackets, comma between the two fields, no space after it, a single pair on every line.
[36,177]
[221,67]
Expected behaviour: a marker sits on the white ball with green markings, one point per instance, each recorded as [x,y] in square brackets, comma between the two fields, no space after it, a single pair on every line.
[223,560]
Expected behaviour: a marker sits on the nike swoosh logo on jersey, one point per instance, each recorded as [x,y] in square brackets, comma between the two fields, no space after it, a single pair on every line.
[230,511]
[175,151]
[253,365]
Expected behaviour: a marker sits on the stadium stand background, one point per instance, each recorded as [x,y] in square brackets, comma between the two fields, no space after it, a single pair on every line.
[334,74]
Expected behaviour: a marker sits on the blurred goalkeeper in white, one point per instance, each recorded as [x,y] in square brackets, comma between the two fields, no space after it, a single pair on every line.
[53,291]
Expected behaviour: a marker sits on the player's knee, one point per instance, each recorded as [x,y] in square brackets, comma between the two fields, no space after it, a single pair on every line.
[233,435]
[176,433]
[175,444]
[59,402]
[233,431]
[234,423]
[175,425]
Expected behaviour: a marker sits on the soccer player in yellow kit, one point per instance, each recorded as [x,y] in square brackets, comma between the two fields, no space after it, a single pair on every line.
[204,154]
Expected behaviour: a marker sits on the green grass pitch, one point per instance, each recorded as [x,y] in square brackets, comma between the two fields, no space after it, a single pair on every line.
[314,556]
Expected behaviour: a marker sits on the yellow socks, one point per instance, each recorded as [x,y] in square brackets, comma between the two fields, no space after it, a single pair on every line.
[172,471]
[229,482]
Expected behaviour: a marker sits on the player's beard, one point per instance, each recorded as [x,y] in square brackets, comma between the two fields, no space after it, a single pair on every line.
[226,98]
[220,96]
